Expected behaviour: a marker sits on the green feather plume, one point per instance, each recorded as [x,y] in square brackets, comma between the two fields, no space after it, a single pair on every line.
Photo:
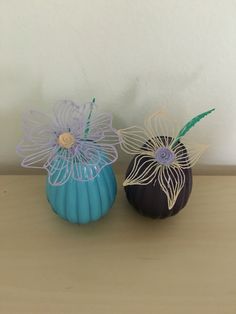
[191,124]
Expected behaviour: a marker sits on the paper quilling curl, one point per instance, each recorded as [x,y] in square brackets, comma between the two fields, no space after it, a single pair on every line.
[160,153]
[74,142]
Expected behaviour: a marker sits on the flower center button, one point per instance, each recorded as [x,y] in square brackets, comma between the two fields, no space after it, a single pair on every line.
[164,156]
[66,140]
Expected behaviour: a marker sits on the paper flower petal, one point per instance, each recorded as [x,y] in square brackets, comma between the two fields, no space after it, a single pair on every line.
[187,153]
[59,166]
[171,180]
[161,129]
[89,161]
[143,172]
[133,140]
[60,177]
[108,154]
[68,116]
[25,148]
[38,127]
[37,159]
[100,129]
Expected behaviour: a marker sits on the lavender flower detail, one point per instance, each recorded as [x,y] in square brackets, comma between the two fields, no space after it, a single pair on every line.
[76,142]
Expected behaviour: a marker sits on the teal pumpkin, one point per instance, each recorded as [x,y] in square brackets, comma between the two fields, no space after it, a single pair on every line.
[82,202]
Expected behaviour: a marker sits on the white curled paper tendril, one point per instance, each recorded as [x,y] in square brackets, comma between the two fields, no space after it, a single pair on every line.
[75,142]
[158,155]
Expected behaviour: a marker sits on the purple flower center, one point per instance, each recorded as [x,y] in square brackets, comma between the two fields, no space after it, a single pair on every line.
[164,156]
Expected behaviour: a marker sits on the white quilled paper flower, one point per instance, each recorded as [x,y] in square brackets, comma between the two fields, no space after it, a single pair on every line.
[74,142]
[160,155]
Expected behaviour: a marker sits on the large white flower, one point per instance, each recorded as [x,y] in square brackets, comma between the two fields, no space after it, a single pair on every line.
[75,142]
[160,155]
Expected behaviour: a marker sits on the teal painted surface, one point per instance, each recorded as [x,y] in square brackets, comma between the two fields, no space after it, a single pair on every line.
[84,201]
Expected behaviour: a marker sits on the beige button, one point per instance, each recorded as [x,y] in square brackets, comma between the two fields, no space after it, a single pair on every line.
[66,140]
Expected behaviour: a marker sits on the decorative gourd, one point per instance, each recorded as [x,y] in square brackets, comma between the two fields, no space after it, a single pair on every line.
[158,181]
[84,201]
[77,147]
[150,200]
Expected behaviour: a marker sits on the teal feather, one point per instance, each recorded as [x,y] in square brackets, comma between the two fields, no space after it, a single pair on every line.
[191,124]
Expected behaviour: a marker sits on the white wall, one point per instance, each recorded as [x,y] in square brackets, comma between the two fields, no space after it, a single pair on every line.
[132,55]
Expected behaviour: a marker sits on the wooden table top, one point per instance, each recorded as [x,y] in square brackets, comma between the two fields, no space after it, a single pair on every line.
[124,263]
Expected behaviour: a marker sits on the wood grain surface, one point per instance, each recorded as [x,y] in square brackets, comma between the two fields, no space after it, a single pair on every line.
[124,263]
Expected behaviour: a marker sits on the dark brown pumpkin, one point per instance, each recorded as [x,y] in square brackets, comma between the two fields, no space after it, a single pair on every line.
[149,200]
